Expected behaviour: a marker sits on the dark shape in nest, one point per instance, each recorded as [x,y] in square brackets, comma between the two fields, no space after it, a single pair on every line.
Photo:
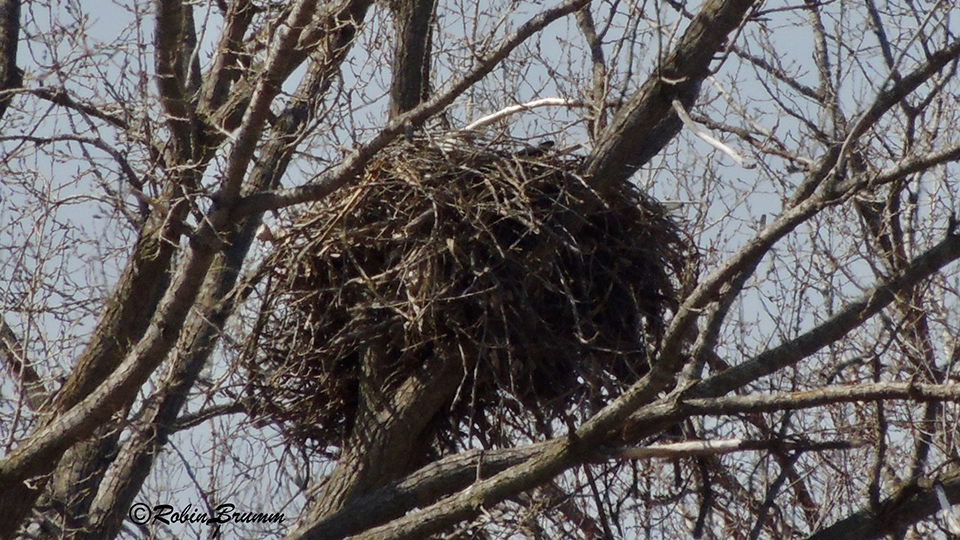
[548,295]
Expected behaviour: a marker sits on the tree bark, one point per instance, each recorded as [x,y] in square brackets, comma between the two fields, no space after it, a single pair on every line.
[910,504]
[11,77]
[411,57]
[390,435]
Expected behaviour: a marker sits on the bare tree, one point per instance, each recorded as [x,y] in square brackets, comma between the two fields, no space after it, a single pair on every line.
[802,384]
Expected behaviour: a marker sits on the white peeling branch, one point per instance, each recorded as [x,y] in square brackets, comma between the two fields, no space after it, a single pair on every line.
[513,109]
[706,137]
[949,514]
[718,447]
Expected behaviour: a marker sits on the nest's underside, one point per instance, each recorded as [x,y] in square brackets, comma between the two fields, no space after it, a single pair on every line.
[548,295]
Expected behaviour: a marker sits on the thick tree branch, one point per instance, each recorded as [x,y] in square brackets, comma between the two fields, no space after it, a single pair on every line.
[11,76]
[420,489]
[171,69]
[229,58]
[388,431]
[908,505]
[268,86]
[647,121]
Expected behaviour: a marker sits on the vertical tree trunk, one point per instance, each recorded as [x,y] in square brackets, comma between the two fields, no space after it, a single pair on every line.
[391,435]
[10,75]
[411,58]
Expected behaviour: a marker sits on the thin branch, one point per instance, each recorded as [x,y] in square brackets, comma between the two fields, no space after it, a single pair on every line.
[59,96]
[191,420]
[788,401]
[834,328]
[778,73]
[599,69]
[128,172]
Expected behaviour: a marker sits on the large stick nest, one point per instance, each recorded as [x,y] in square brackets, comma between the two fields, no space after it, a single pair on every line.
[544,293]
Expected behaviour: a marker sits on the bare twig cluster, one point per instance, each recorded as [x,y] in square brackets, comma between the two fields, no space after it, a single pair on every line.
[546,295]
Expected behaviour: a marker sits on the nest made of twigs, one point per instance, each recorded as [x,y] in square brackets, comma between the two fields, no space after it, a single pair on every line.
[545,294]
